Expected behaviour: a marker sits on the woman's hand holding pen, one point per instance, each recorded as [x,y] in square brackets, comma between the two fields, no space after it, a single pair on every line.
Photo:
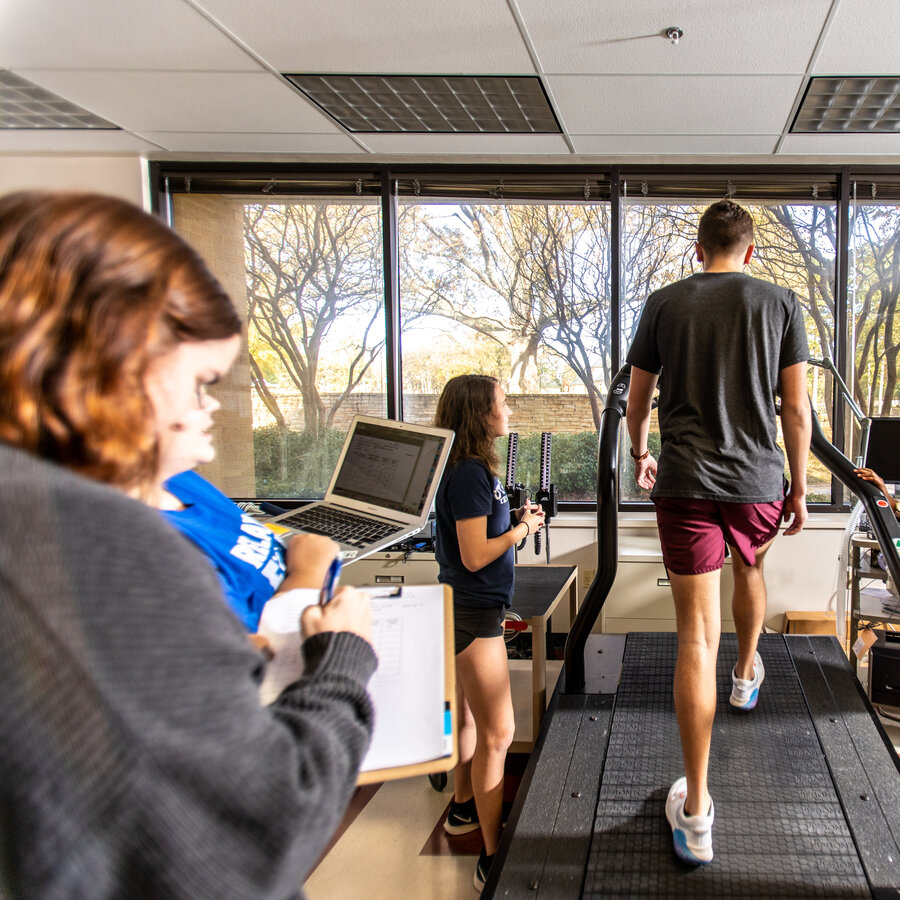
[309,558]
[531,515]
[348,610]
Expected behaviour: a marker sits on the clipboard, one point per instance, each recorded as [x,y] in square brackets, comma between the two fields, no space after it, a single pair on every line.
[443,763]
[416,721]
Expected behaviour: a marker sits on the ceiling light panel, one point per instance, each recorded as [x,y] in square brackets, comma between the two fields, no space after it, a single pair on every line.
[25,105]
[834,105]
[432,104]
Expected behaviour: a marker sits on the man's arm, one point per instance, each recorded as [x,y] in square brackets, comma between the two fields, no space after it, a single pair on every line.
[637,416]
[796,425]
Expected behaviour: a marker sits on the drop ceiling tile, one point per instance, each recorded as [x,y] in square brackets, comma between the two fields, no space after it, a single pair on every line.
[46,140]
[864,39]
[434,104]
[256,142]
[860,104]
[466,143]
[842,144]
[472,37]
[675,144]
[583,36]
[644,104]
[188,101]
[114,34]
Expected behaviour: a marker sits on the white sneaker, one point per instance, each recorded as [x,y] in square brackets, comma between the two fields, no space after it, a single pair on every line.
[692,834]
[745,692]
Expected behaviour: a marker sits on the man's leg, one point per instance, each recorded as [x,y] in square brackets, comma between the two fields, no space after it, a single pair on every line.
[699,623]
[749,608]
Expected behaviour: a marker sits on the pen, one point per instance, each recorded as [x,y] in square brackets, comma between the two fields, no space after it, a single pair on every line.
[331,580]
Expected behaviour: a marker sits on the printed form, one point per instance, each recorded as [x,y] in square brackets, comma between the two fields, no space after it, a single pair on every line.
[407,689]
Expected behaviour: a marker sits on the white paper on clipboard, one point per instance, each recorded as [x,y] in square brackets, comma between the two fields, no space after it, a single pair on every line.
[408,687]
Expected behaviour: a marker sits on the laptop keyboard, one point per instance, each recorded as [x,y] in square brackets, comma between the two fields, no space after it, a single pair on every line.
[344,527]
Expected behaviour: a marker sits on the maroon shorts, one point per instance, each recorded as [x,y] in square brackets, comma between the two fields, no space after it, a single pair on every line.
[693,533]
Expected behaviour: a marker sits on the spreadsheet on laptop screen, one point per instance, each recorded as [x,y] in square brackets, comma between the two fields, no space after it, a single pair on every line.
[388,467]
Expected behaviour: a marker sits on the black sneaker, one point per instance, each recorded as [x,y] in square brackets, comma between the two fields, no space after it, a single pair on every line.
[461,817]
[482,870]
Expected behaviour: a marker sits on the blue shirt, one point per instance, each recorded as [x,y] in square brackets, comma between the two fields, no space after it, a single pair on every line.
[468,490]
[247,556]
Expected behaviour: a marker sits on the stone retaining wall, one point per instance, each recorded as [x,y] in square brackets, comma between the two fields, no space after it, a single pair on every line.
[558,413]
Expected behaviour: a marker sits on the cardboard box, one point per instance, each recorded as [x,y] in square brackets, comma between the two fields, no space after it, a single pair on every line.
[804,621]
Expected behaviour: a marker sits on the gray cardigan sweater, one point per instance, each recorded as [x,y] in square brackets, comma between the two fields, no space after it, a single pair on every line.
[135,757]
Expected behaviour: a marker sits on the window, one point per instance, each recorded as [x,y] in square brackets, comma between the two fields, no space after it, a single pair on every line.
[520,291]
[536,275]
[307,273]
[874,314]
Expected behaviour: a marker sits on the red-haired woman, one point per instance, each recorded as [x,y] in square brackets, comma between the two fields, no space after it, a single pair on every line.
[152,321]
[137,759]
[474,547]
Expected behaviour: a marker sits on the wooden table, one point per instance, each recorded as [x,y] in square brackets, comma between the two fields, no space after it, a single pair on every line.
[537,593]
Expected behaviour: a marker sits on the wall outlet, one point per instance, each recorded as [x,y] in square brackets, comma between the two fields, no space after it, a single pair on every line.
[587,576]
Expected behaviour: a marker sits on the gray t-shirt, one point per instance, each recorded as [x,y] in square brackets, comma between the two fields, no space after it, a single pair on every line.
[721,340]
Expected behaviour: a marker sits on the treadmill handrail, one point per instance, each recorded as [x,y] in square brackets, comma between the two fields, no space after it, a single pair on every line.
[607,529]
[884,522]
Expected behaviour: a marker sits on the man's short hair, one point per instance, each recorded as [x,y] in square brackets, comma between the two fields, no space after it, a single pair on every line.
[725,228]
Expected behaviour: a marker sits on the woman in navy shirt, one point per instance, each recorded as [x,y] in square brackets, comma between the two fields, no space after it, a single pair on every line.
[474,546]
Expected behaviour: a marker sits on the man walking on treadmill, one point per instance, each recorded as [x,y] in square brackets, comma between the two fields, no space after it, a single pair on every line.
[726,344]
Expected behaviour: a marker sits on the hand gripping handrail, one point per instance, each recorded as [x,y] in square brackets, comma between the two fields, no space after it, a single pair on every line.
[884,522]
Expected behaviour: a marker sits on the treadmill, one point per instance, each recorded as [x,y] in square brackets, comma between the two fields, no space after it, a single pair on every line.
[806,787]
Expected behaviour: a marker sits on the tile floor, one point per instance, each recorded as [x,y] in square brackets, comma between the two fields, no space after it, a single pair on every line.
[392,845]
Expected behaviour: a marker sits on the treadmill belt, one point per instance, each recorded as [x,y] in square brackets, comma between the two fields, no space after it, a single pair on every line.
[779,830]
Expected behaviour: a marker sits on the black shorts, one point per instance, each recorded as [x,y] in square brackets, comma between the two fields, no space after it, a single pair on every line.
[470,622]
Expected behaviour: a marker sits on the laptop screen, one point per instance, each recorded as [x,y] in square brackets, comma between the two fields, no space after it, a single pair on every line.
[390,467]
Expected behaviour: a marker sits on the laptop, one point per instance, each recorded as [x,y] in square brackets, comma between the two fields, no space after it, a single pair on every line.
[382,488]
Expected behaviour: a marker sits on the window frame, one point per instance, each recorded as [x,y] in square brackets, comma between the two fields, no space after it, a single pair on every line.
[552,183]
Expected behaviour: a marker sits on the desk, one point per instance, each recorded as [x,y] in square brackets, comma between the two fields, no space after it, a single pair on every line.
[537,593]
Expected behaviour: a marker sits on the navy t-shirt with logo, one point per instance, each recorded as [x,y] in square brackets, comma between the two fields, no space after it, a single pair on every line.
[468,490]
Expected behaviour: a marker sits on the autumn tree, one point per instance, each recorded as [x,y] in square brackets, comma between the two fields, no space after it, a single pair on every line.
[533,281]
[798,246]
[310,267]
[877,317]
[531,277]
